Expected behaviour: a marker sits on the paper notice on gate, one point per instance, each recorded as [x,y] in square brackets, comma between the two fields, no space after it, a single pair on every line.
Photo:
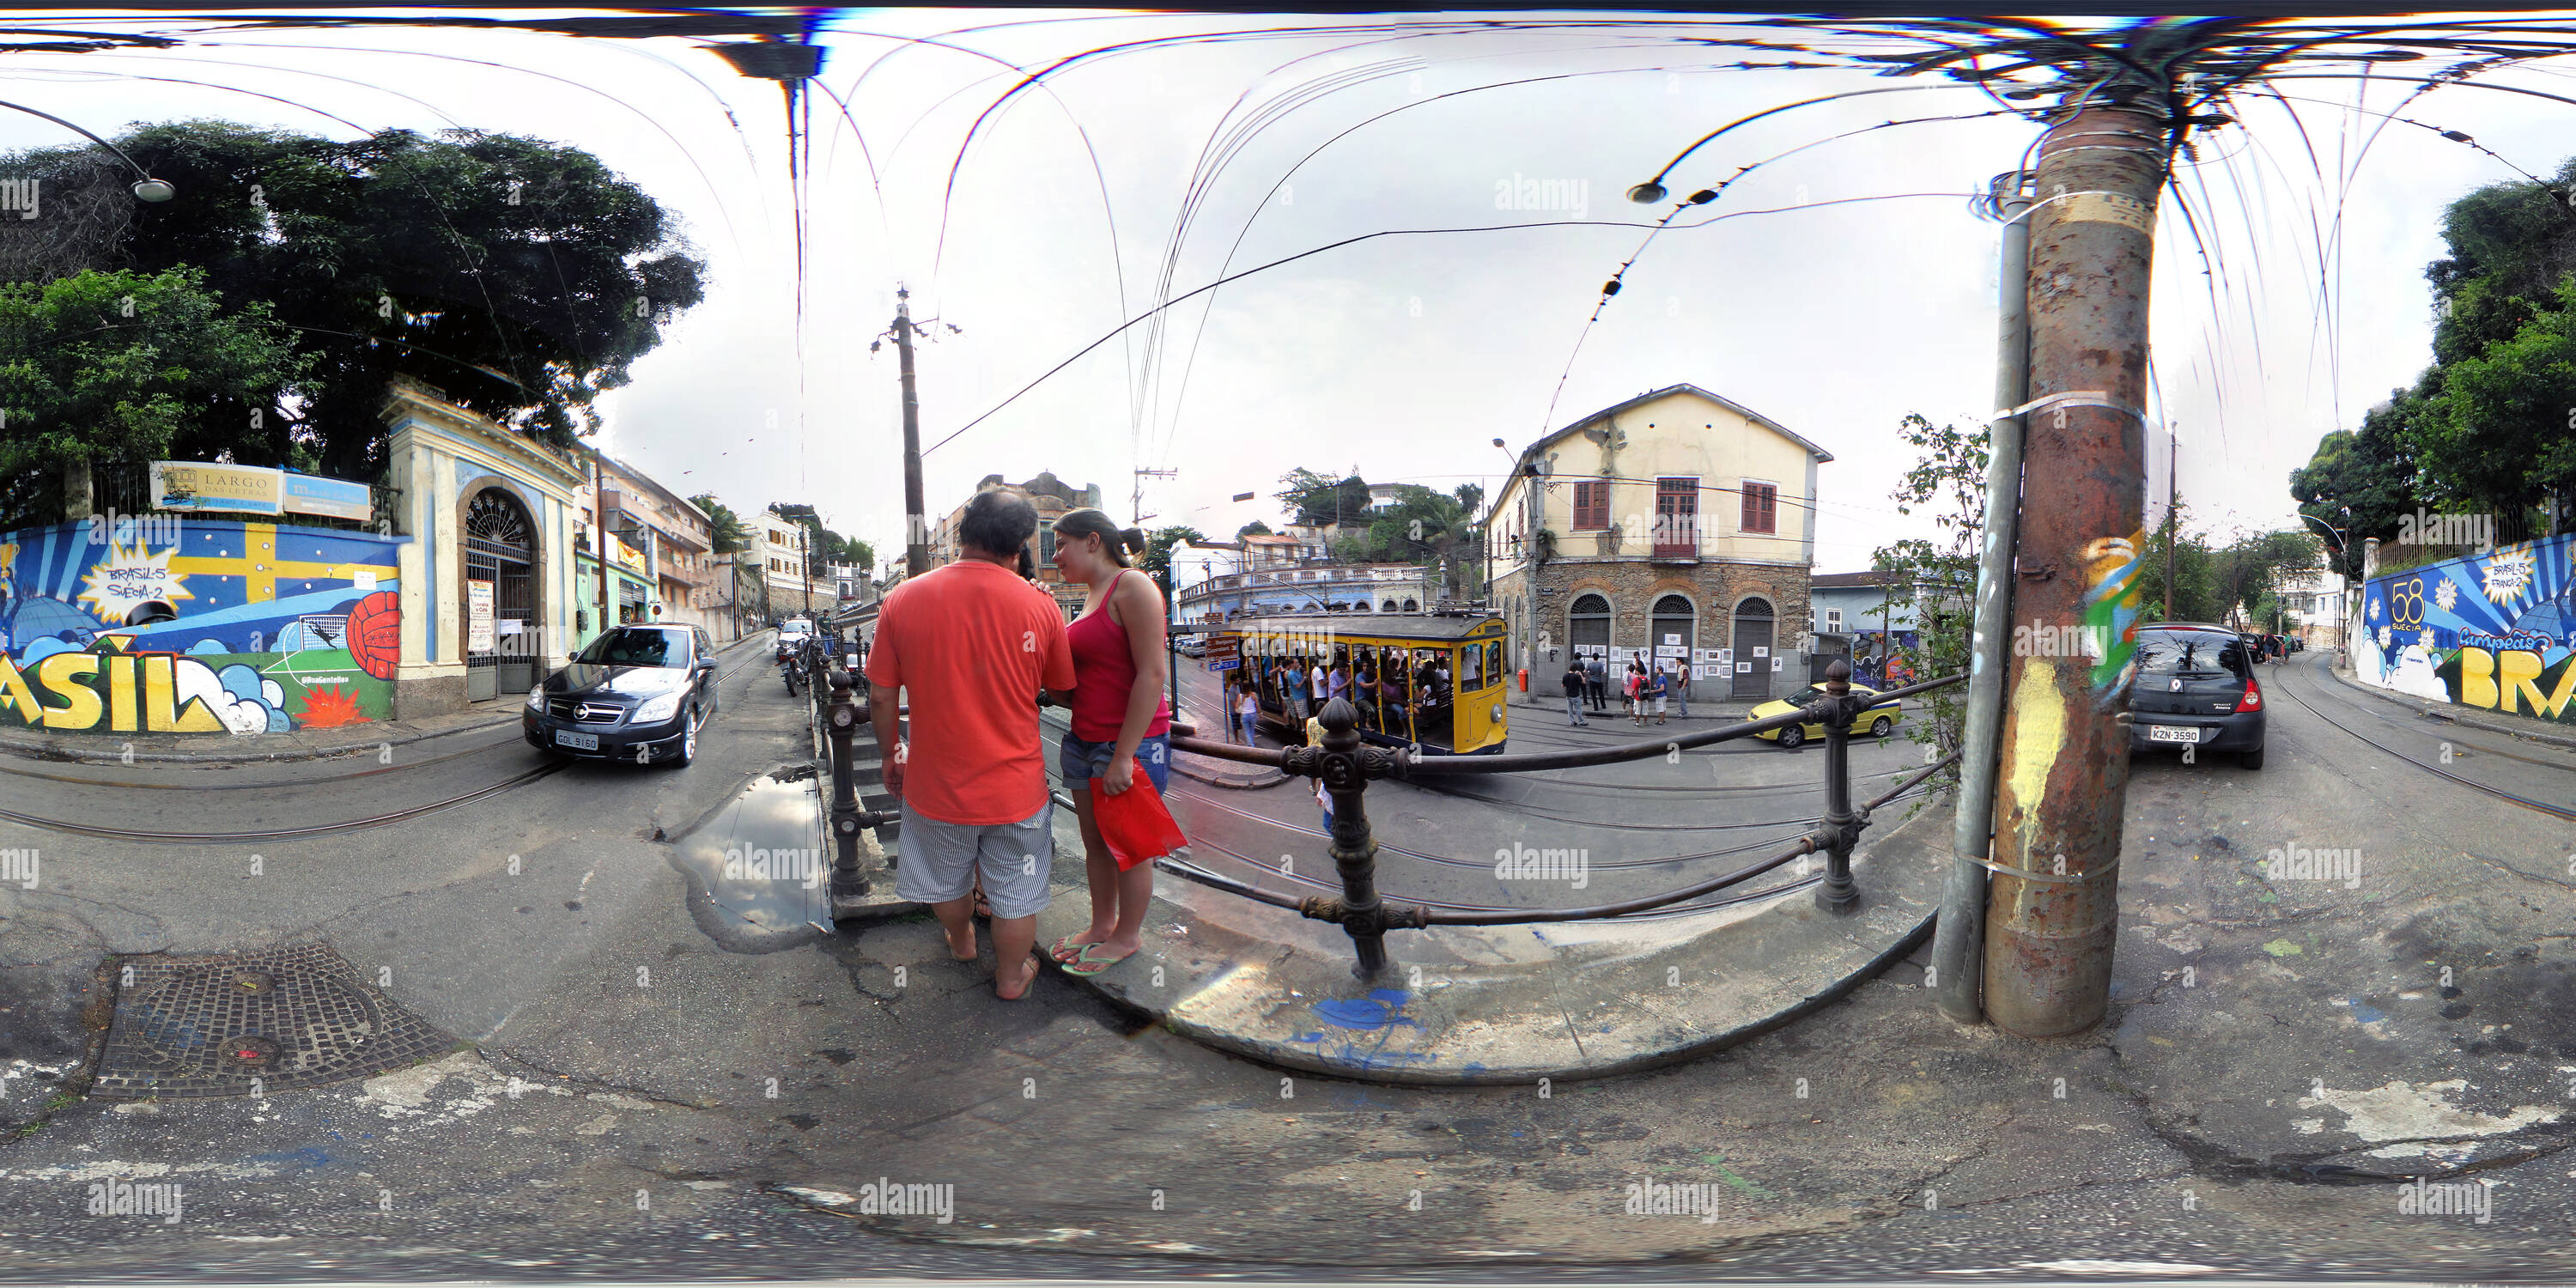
[478,617]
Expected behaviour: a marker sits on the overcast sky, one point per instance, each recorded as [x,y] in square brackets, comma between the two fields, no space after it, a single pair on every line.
[1402,356]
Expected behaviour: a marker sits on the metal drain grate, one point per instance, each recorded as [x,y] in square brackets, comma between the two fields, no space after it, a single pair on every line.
[290,1017]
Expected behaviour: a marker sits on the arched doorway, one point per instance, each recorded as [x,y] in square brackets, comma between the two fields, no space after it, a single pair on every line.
[1675,625]
[501,650]
[1753,659]
[1587,626]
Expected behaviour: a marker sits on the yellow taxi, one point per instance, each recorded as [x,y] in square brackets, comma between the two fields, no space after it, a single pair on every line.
[1877,721]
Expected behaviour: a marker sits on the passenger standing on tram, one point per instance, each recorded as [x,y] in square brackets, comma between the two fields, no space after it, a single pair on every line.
[1293,690]
[1340,681]
[1315,685]
[1119,717]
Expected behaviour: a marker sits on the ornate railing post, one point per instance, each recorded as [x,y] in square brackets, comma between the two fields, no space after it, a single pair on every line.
[1346,765]
[848,883]
[1841,827]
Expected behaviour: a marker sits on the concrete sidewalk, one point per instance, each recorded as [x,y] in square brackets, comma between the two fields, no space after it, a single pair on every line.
[1487,1005]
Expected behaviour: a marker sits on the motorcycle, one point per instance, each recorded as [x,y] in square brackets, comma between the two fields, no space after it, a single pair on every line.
[791,667]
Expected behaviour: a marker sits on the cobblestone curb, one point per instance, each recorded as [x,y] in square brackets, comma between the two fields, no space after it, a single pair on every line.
[2443,711]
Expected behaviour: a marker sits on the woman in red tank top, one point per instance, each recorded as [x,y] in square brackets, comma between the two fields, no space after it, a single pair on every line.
[1119,717]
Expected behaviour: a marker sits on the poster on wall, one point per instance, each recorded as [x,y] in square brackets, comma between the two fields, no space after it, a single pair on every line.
[1673,637]
[231,489]
[1744,668]
[2494,630]
[205,487]
[478,617]
[1707,671]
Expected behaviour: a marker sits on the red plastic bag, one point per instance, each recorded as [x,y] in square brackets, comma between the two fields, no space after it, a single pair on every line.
[1135,822]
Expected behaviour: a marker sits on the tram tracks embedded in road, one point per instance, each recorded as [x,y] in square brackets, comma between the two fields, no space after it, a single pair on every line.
[260,835]
[285,833]
[2537,806]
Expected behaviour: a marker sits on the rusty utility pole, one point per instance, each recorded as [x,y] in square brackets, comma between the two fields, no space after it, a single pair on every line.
[916,515]
[2064,750]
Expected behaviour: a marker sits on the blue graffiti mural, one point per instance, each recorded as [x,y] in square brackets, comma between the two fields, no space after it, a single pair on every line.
[2494,630]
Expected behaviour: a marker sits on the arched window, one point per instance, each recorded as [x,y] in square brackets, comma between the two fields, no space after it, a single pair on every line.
[1752,643]
[1588,626]
[1413,606]
[1387,607]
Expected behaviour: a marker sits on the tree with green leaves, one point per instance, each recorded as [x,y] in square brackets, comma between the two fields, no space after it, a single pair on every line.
[2487,427]
[520,278]
[725,527]
[122,368]
[1256,528]
[1312,500]
[1157,557]
[1938,578]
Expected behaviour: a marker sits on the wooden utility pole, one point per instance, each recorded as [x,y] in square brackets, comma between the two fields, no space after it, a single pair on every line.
[2064,751]
[916,513]
[2173,491]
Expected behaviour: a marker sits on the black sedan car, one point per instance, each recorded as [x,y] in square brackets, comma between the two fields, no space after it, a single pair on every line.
[2195,688]
[637,693]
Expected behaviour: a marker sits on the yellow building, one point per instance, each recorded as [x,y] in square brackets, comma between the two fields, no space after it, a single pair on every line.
[1675,526]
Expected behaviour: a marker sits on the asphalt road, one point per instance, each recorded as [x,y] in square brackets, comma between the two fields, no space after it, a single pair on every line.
[668,1123]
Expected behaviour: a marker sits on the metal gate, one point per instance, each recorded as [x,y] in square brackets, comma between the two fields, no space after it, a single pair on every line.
[500,548]
[1753,632]
[1675,624]
[1587,627]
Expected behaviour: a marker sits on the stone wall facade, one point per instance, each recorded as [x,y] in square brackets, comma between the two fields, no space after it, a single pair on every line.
[1715,590]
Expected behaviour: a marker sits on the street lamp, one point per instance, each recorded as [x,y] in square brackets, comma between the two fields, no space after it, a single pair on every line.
[146,188]
[2343,560]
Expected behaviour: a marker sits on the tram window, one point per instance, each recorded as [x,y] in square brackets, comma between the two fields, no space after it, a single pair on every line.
[1494,661]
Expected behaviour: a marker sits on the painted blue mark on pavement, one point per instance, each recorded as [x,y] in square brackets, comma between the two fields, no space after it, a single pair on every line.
[1376,1011]
[308,1156]
[2366,1013]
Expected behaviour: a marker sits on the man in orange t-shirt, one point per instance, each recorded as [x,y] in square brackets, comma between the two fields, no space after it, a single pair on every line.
[973,645]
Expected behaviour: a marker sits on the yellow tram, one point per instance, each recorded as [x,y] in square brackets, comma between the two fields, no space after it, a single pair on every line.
[1433,683]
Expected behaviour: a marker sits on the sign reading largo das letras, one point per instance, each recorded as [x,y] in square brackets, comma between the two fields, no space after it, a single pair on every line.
[253,489]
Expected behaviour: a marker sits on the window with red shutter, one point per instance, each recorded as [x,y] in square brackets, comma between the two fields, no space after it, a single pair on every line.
[1591,506]
[1761,507]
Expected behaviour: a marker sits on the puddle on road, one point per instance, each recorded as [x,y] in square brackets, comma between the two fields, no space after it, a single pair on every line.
[759,868]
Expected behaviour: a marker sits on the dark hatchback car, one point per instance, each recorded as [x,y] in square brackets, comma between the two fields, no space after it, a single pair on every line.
[637,693]
[2195,688]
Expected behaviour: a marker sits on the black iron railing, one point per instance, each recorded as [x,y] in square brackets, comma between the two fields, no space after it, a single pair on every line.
[1346,765]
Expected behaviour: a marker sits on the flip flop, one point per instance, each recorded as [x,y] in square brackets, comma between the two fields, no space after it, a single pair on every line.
[1086,965]
[1065,950]
[1035,970]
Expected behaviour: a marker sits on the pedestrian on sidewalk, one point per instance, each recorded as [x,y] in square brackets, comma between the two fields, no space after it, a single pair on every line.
[1119,717]
[1315,738]
[1247,714]
[1679,687]
[1633,688]
[972,644]
[1656,684]
[1576,684]
[1596,679]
